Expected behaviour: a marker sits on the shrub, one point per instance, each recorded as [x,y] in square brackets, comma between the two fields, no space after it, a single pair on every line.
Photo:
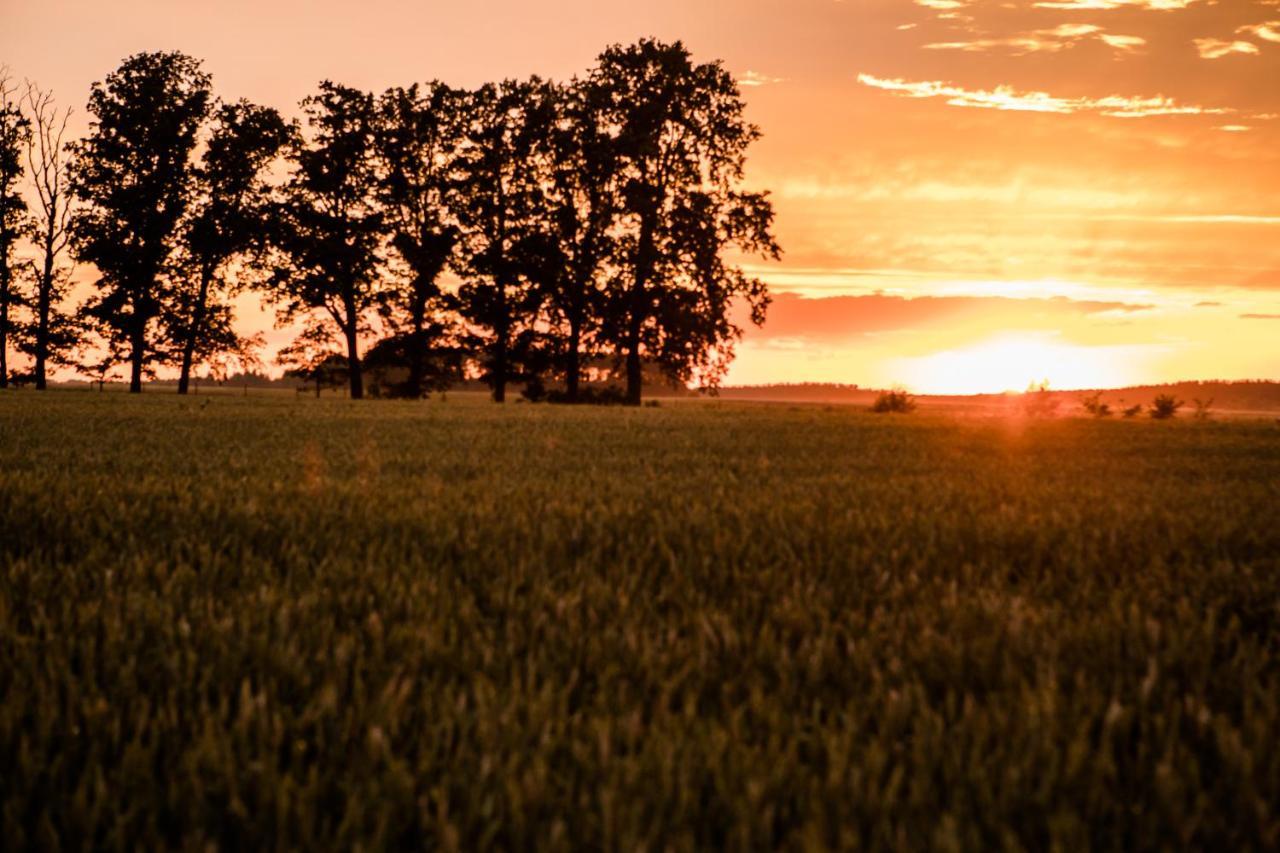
[1165,407]
[897,401]
[1133,411]
[1039,401]
[1202,409]
[1093,404]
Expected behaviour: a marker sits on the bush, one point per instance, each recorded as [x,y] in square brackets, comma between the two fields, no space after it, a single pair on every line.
[1202,409]
[1165,407]
[1093,404]
[1039,401]
[1133,411]
[897,401]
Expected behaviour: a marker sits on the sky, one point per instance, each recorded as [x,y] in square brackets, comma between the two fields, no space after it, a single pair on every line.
[972,195]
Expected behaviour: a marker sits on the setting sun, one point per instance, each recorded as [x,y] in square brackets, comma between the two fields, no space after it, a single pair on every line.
[1012,363]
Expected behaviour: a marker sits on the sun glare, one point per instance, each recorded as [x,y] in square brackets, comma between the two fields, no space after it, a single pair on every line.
[1012,363]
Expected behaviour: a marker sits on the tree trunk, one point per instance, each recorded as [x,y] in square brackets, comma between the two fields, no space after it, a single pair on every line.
[44,297]
[638,313]
[635,379]
[417,342]
[500,369]
[4,328]
[193,332]
[573,370]
[502,329]
[354,373]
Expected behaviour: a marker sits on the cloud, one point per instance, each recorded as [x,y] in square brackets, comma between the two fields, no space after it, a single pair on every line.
[1044,40]
[1208,304]
[1211,48]
[1260,316]
[755,79]
[793,317]
[1008,98]
[1269,31]
[1104,5]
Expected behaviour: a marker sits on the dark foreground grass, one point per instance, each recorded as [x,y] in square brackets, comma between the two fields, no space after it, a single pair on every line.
[286,623]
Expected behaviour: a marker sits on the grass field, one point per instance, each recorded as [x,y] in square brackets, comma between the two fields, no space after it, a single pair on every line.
[277,622]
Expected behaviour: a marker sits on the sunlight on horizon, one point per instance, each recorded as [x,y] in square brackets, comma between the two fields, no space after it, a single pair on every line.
[1012,363]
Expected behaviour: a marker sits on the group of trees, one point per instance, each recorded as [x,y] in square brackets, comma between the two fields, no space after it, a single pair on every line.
[517,232]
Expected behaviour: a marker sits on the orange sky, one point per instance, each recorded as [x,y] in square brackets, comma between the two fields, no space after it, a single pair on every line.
[972,194]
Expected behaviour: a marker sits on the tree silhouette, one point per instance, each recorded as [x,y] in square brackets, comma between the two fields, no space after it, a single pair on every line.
[53,333]
[499,202]
[581,207]
[417,149]
[682,143]
[134,175]
[227,219]
[330,224]
[15,130]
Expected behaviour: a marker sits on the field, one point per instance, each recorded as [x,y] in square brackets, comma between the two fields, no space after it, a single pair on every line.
[269,622]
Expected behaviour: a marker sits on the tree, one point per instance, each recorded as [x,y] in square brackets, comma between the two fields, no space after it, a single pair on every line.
[498,204]
[581,209]
[416,144]
[227,219]
[313,357]
[330,224]
[682,143]
[52,333]
[134,175]
[15,130]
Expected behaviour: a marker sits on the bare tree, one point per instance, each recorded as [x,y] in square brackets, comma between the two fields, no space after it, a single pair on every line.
[52,333]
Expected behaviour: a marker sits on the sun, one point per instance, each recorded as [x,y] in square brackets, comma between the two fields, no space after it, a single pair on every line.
[1013,363]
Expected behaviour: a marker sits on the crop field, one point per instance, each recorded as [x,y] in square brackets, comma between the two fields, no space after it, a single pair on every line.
[279,622]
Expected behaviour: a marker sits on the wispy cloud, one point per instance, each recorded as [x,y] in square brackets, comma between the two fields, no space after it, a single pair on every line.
[1211,48]
[1045,40]
[1269,31]
[1009,98]
[755,79]
[1103,5]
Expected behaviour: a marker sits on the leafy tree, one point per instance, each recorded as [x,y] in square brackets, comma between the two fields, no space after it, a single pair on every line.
[314,357]
[498,206]
[53,333]
[134,175]
[417,149]
[15,130]
[682,142]
[227,219]
[330,222]
[576,242]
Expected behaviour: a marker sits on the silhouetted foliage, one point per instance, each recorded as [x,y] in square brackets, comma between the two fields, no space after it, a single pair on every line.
[330,224]
[1165,406]
[576,244]
[314,358]
[412,365]
[897,401]
[1203,408]
[1039,401]
[53,332]
[416,141]
[15,131]
[1133,411]
[1093,405]
[134,175]
[228,217]
[681,147]
[500,205]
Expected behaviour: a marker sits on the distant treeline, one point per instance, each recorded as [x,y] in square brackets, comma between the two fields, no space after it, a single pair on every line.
[532,232]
